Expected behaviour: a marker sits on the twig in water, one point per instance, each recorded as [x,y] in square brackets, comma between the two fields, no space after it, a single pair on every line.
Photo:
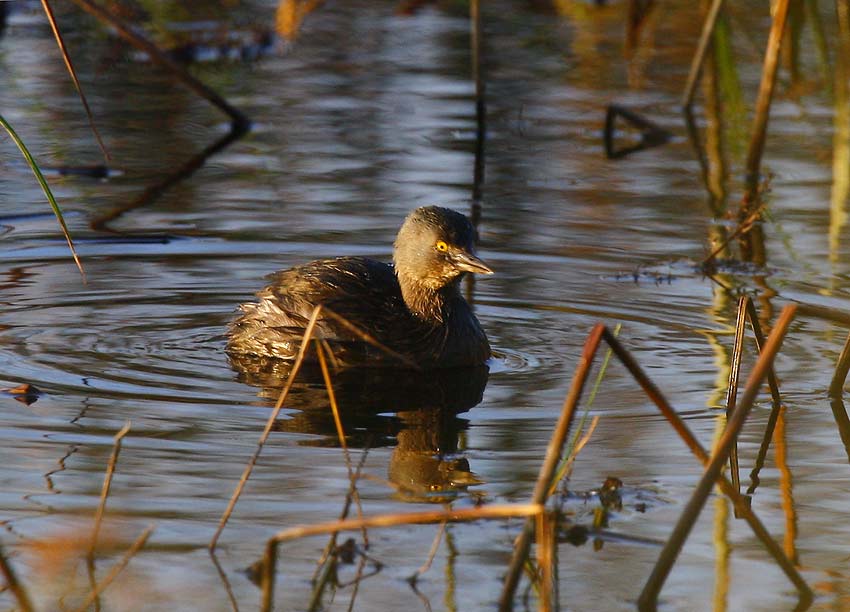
[107,484]
[732,386]
[13,585]
[117,568]
[431,554]
[836,385]
[747,311]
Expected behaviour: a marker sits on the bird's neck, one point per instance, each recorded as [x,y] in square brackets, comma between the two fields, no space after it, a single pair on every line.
[429,303]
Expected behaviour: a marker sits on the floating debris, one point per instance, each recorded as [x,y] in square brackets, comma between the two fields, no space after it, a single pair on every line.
[650,134]
[25,393]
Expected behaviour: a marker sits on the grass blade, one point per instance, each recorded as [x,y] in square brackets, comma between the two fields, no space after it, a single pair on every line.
[46,188]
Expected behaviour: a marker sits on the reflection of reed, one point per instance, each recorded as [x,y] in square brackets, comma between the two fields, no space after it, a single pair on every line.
[476,45]
[841,134]
[101,223]
[715,166]
[786,482]
[720,537]
[712,474]
[132,36]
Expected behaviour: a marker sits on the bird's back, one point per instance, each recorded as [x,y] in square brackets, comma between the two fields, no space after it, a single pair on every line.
[363,292]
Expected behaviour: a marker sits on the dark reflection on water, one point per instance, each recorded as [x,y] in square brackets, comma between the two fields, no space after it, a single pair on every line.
[416,412]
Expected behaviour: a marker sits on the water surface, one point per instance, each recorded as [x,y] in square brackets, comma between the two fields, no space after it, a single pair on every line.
[368,115]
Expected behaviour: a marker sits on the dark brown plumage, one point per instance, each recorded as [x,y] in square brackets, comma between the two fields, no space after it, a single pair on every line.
[413,307]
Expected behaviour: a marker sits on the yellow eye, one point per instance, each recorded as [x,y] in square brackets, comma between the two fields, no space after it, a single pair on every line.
[442,246]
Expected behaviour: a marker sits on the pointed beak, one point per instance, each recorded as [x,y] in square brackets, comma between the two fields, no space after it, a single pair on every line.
[468,262]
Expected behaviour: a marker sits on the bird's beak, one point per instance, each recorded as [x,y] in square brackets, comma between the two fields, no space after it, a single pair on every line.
[468,262]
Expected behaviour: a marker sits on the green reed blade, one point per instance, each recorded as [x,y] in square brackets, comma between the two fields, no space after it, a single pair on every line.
[46,188]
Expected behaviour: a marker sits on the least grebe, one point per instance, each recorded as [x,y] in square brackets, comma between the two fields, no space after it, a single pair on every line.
[413,306]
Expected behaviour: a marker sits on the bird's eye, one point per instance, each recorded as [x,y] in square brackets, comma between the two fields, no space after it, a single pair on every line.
[442,246]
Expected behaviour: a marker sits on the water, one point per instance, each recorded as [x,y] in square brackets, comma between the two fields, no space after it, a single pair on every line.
[368,115]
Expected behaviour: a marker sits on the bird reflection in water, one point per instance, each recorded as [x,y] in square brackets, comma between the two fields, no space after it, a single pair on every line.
[417,411]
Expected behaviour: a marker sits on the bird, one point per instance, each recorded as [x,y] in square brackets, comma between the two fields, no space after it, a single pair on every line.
[411,311]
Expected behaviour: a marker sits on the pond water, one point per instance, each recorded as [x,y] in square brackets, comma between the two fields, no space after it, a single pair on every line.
[367,115]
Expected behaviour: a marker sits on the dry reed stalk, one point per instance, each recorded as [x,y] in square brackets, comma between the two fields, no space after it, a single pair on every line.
[385,520]
[772,383]
[699,56]
[117,568]
[545,558]
[763,368]
[431,555]
[550,463]
[732,388]
[14,585]
[296,366]
[341,435]
[712,475]
[132,36]
[329,547]
[299,358]
[227,587]
[357,578]
[836,385]
[742,508]
[107,484]
[70,66]
[824,312]
[568,466]
[369,339]
[765,96]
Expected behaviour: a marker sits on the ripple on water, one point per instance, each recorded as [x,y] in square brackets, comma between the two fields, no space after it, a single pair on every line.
[508,360]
